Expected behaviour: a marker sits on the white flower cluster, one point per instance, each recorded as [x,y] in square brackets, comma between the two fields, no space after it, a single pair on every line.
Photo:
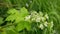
[46,24]
[41,26]
[39,17]
[27,17]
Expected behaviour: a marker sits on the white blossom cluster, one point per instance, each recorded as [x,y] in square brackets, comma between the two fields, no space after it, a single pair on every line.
[39,17]
[46,24]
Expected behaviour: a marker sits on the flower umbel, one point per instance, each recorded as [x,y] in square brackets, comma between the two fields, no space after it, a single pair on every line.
[41,26]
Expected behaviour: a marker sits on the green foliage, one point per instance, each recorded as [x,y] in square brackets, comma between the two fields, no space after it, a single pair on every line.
[1,20]
[17,15]
[22,25]
[21,19]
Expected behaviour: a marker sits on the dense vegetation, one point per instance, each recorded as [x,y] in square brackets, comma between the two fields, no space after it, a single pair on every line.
[29,17]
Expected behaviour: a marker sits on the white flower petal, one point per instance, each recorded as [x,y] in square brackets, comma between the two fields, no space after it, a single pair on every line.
[45,24]
[38,20]
[41,26]
[27,17]
[46,16]
[51,23]
[43,18]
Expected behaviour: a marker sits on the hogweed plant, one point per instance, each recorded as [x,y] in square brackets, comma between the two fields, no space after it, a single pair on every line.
[18,20]
[22,20]
[41,20]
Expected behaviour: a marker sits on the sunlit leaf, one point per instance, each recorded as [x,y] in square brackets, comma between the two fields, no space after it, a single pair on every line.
[20,26]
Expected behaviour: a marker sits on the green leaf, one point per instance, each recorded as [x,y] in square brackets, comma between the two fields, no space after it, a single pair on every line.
[27,25]
[1,20]
[12,11]
[16,15]
[23,12]
[20,26]
[18,19]
[10,30]
[10,18]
